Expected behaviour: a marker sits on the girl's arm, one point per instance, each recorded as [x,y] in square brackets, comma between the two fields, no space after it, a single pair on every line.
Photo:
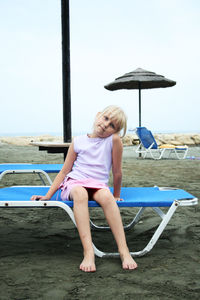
[68,164]
[117,165]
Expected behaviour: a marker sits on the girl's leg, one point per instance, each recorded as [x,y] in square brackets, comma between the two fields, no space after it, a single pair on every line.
[107,201]
[81,214]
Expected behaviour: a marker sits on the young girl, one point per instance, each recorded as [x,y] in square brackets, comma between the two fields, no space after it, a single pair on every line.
[85,175]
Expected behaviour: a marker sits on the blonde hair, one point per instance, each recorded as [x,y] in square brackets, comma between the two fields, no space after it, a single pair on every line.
[117,115]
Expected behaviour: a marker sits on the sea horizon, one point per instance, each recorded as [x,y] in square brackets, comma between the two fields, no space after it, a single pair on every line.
[76,133]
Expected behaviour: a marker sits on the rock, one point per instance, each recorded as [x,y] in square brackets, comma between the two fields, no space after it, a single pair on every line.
[196,138]
[177,139]
[129,140]
[26,140]
[185,139]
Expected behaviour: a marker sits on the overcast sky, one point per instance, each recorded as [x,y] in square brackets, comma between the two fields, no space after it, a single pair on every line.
[108,38]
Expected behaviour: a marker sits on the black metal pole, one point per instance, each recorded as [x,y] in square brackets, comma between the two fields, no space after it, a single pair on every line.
[139,104]
[66,70]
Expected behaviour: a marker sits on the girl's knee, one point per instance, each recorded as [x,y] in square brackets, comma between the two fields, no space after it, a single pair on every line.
[79,194]
[104,197]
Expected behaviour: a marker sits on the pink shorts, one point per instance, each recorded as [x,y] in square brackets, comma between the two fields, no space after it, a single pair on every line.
[68,183]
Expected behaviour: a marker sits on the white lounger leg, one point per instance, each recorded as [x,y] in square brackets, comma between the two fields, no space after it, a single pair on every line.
[152,241]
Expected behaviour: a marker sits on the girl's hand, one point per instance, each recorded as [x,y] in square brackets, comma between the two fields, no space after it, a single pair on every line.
[41,198]
[119,199]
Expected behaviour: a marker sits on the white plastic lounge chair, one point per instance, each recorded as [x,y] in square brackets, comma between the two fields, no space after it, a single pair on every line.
[149,146]
[40,169]
[141,197]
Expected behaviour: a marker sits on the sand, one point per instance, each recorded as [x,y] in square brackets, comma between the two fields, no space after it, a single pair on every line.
[40,249]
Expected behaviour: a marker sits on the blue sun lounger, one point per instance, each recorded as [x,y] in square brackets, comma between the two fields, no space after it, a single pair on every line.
[141,197]
[31,169]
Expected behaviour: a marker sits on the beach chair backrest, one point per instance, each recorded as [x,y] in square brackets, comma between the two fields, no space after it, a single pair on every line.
[146,137]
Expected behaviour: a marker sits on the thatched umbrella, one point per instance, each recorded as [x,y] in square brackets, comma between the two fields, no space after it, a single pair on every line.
[140,79]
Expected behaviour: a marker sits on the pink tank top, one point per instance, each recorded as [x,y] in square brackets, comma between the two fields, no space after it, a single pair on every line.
[94,158]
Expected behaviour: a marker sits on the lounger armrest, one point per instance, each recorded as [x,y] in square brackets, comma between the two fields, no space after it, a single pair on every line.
[187,202]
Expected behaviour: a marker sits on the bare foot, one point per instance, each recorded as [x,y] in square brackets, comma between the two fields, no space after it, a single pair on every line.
[128,262]
[88,263]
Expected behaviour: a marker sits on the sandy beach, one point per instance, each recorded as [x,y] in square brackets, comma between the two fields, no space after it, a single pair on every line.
[40,250]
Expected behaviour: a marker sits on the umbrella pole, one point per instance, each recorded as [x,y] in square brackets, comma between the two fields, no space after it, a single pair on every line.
[140,154]
[139,104]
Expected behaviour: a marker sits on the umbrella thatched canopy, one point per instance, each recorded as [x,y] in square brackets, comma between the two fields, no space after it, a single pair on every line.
[140,79]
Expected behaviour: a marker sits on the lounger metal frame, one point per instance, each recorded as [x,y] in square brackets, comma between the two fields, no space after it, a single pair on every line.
[160,152]
[165,218]
[31,171]
[20,168]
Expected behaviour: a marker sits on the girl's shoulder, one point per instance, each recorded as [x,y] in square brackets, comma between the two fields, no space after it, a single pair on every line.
[117,142]
[80,138]
[116,138]
[78,141]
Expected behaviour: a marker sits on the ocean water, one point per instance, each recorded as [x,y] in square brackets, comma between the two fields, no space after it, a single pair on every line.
[15,134]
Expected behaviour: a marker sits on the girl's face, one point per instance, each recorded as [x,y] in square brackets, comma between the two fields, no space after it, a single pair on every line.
[104,126]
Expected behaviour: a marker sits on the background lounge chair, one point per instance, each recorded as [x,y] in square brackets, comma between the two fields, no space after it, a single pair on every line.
[149,146]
